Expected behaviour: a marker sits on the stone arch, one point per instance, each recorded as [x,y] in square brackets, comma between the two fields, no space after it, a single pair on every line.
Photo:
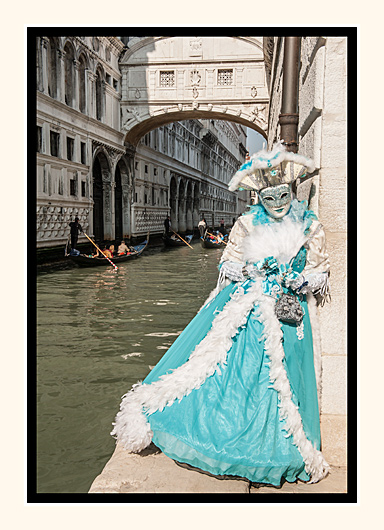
[221,78]
[150,123]
[101,194]
[123,191]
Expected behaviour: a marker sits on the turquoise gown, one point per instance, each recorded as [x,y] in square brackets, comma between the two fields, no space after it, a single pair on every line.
[236,393]
[231,424]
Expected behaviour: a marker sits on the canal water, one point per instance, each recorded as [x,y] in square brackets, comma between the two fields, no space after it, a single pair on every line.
[98,332]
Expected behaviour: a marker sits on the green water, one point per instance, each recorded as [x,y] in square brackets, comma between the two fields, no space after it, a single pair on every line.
[99,332]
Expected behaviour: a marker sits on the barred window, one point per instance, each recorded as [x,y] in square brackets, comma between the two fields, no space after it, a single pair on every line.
[55,143]
[39,139]
[167,78]
[72,187]
[225,77]
[70,146]
[83,153]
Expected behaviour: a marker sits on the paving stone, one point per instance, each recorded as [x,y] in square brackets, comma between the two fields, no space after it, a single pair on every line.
[335,482]
[153,472]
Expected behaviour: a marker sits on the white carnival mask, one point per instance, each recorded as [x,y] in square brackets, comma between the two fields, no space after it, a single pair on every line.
[276,200]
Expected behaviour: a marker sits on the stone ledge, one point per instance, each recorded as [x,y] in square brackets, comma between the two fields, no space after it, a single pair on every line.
[152,472]
[335,482]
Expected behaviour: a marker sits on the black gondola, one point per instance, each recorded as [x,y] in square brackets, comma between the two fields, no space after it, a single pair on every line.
[86,261]
[210,243]
[175,241]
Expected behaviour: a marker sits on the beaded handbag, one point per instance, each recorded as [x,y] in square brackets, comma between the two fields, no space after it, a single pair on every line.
[288,309]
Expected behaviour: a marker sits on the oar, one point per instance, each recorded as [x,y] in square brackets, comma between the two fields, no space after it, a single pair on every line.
[217,239]
[182,239]
[93,243]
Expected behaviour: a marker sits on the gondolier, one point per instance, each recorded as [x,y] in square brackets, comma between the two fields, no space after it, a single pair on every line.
[167,225]
[75,229]
[202,227]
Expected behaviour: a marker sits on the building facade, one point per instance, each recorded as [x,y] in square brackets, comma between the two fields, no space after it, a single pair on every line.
[85,168]
[182,170]
[322,109]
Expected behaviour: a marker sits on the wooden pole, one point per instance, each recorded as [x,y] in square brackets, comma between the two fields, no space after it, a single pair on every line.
[217,239]
[182,239]
[111,262]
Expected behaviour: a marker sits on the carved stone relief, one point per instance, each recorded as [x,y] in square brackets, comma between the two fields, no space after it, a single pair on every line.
[196,47]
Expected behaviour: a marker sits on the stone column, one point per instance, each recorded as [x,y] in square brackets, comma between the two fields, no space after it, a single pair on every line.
[107,207]
[113,213]
[43,81]
[175,214]
[103,101]
[90,94]
[189,221]
[76,95]
[61,75]
[182,215]
[126,195]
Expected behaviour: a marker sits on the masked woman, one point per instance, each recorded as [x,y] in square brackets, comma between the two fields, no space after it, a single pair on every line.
[236,394]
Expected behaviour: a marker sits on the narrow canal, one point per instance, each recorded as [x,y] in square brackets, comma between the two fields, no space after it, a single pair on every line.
[99,332]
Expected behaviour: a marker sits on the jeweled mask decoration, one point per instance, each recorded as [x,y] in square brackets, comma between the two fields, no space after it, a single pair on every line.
[276,200]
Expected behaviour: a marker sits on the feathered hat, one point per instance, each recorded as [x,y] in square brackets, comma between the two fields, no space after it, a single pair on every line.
[271,168]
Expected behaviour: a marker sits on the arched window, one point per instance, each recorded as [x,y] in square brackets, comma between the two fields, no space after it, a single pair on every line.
[52,58]
[69,74]
[82,95]
[99,95]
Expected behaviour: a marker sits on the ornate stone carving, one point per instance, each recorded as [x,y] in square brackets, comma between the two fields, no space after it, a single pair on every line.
[195,78]
[95,44]
[196,47]
[253,92]
[131,113]
[195,92]
[180,106]
[137,94]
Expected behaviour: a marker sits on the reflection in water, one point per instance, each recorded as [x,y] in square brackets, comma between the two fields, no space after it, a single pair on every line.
[98,332]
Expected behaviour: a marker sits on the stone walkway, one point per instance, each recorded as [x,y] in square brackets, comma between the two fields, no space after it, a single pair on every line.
[152,472]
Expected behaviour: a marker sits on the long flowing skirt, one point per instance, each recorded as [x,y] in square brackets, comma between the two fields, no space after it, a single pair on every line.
[231,425]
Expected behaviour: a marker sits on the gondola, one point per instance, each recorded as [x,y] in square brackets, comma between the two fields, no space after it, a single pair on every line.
[209,243]
[86,261]
[170,242]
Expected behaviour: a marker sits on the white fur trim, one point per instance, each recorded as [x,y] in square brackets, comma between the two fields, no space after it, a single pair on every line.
[315,464]
[282,240]
[316,340]
[132,428]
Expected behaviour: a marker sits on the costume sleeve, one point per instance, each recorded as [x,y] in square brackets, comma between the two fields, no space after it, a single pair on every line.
[232,260]
[317,257]
[315,276]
